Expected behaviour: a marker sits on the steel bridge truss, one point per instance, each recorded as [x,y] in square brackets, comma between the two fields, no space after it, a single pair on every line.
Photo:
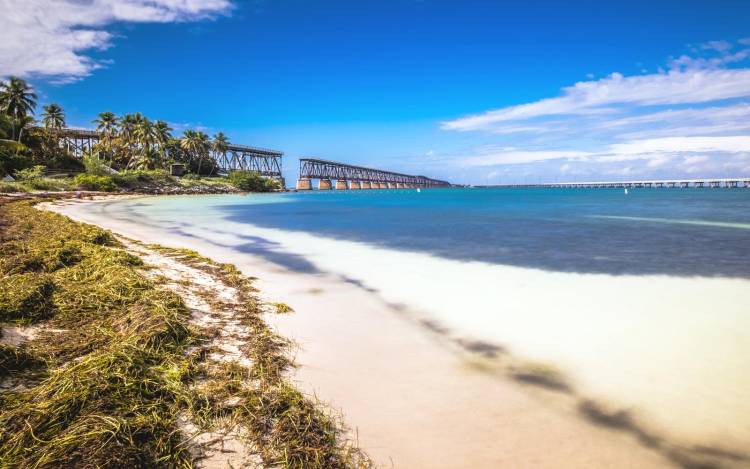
[311,168]
[238,157]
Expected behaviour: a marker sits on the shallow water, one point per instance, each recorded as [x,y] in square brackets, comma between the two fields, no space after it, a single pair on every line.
[641,300]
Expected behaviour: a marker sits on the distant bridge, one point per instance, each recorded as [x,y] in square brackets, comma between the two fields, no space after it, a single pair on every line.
[357,177]
[238,157]
[684,183]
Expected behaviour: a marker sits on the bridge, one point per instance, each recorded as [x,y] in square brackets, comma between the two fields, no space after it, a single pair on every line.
[357,177]
[683,183]
[237,157]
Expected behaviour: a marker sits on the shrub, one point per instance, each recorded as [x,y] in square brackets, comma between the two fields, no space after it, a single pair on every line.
[140,178]
[95,183]
[8,187]
[64,161]
[252,182]
[28,174]
[96,166]
[48,184]
[11,163]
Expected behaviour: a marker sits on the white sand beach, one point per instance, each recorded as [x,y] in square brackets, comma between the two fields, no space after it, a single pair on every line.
[414,397]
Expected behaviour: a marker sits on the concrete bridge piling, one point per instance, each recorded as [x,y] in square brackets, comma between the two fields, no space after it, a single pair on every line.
[304,184]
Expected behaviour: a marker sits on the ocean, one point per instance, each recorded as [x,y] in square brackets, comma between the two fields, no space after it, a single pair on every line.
[639,300]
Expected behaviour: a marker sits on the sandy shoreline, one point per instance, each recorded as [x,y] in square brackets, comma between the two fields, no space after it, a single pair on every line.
[411,400]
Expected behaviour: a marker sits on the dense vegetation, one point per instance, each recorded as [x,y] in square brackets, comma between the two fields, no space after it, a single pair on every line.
[252,182]
[117,362]
[127,143]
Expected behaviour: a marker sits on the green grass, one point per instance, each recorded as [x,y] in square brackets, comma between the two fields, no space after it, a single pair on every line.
[118,361]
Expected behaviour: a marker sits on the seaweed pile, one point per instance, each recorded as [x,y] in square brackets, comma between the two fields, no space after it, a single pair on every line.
[115,363]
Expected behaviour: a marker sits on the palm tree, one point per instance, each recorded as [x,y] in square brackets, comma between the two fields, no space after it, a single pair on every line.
[148,158]
[106,125]
[17,100]
[220,145]
[53,117]
[196,144]
[162,132]
[128,125]
[145,136]
[145,133]
[25,123]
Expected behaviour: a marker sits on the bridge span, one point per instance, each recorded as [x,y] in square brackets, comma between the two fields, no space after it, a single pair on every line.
[356,177]
[237,157]
[683,183]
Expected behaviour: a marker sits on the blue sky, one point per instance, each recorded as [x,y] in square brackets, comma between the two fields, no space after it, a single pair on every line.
[475,92]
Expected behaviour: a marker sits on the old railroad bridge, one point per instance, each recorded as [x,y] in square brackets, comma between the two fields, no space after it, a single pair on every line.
[356,177]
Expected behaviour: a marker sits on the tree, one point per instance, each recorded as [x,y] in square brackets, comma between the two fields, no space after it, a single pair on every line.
[53,119]
[17,100]
[106,125]
[163,134]
[197,145]
[148,158]
[53,116]
[220,145]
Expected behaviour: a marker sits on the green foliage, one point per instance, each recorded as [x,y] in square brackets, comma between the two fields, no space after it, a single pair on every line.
[134,179]
[96,166]
[48,184]
[28,174]
[11,187]
[95,183]
[252,182]
[12,162]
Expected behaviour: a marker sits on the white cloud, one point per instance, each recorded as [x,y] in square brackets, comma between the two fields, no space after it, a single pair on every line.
[51,37]
[494,156]
[719,46]
[654,153]
[731,144]
[598,97]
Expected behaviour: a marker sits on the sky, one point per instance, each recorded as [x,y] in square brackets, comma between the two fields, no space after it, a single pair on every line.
[475,92]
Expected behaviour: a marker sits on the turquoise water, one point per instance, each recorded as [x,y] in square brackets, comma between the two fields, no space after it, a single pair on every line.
[684,232]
